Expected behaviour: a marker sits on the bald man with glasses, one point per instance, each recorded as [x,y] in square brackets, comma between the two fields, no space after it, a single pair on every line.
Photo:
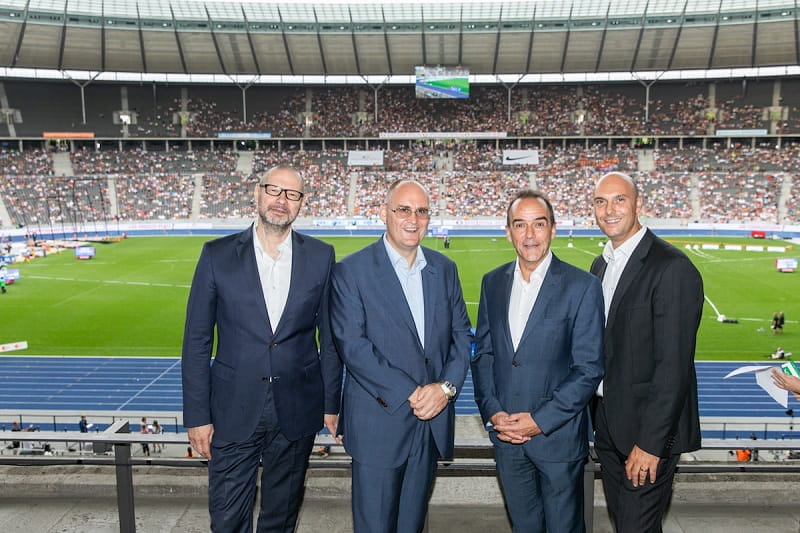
[401,327]
[264,292]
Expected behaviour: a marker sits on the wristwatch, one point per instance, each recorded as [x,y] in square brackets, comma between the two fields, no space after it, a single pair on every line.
[449,390]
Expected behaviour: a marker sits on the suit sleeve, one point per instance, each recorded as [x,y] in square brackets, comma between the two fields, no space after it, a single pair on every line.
[198,341]
[330,361]
[457,362]
[572,395]
[677,308]
[483,363]
[364,361]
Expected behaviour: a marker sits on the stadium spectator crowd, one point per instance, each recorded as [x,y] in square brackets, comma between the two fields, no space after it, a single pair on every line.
[141,162]
[591,110]
[155,197]
[33,162]
[466,179]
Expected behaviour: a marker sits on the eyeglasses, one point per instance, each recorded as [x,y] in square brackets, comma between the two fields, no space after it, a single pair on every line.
[404,211]
[275,190]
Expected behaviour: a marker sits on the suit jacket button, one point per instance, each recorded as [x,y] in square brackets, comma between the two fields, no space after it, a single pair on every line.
[427,360]
[273,344]
[514,363]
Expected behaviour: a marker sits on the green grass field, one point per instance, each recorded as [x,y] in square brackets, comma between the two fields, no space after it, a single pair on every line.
[130,299]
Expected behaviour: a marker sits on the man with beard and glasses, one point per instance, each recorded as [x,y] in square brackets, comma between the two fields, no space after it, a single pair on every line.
[271,385]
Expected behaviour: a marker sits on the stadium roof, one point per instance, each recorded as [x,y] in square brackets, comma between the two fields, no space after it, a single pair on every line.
[390,38]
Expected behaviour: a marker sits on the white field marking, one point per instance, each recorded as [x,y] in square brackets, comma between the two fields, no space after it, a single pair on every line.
[11,346]
[587,252]
[114,281]
[173,365]
[701,253]
[765,320]
[714,307]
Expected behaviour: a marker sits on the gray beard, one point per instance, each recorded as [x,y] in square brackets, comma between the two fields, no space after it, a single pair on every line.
[274,227]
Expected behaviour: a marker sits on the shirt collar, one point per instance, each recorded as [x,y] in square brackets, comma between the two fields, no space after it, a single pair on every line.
[625,249]
[398,261]
[283,247]
[540,270]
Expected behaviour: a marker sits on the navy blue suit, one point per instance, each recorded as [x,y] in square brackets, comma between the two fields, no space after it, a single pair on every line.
[552,375]
[378,341]
[265,384]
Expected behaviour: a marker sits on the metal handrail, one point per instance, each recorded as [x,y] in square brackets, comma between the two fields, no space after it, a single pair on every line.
[473,457]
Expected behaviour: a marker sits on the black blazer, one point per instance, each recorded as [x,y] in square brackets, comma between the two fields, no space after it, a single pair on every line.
[650,385]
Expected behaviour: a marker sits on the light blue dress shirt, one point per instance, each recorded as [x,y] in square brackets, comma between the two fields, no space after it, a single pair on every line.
[411,282]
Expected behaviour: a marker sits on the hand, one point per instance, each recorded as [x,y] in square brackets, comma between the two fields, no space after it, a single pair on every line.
[516,428]
[200,439]
[428,401]
[331,422]
[499,419]
[640,465]
[785,381]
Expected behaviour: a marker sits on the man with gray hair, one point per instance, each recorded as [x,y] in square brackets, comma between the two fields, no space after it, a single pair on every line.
[401,327]
[264,291]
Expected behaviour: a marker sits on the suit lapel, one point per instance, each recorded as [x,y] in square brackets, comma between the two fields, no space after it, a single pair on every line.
[388,284]
[635,264]
[246,254]
[599,267]
[429,292]
[550,287]
[299,258]
[501,307]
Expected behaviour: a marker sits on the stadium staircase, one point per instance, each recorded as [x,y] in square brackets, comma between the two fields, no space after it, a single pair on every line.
[352,191]
[646,162]
[5,218]
[62,164]
[244,164]
[694,196]
[783,197]
[113,205]
[197,196]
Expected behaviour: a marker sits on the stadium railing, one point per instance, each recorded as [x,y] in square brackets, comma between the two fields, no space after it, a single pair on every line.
[473,457]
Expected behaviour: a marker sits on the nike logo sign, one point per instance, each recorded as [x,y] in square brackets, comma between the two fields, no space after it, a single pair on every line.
[509,158]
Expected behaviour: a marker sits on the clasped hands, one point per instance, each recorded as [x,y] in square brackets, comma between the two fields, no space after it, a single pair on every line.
[427,401]
[517,428]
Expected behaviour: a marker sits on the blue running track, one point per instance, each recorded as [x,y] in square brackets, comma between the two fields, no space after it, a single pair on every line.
[91,384]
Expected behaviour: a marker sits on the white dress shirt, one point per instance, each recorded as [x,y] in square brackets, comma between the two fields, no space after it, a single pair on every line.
[616,261]
[411,282]
[523,297]
[275,276]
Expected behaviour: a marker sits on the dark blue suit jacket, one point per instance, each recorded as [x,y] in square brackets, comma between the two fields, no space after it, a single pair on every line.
[385,361]
[226,294]
[557,366]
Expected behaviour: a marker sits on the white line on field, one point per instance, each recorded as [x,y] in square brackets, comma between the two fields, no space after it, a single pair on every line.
[114,282]
[161,375]
[714,307]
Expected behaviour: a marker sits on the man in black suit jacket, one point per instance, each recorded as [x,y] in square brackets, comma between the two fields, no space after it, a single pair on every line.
[263,294]
[647,415]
